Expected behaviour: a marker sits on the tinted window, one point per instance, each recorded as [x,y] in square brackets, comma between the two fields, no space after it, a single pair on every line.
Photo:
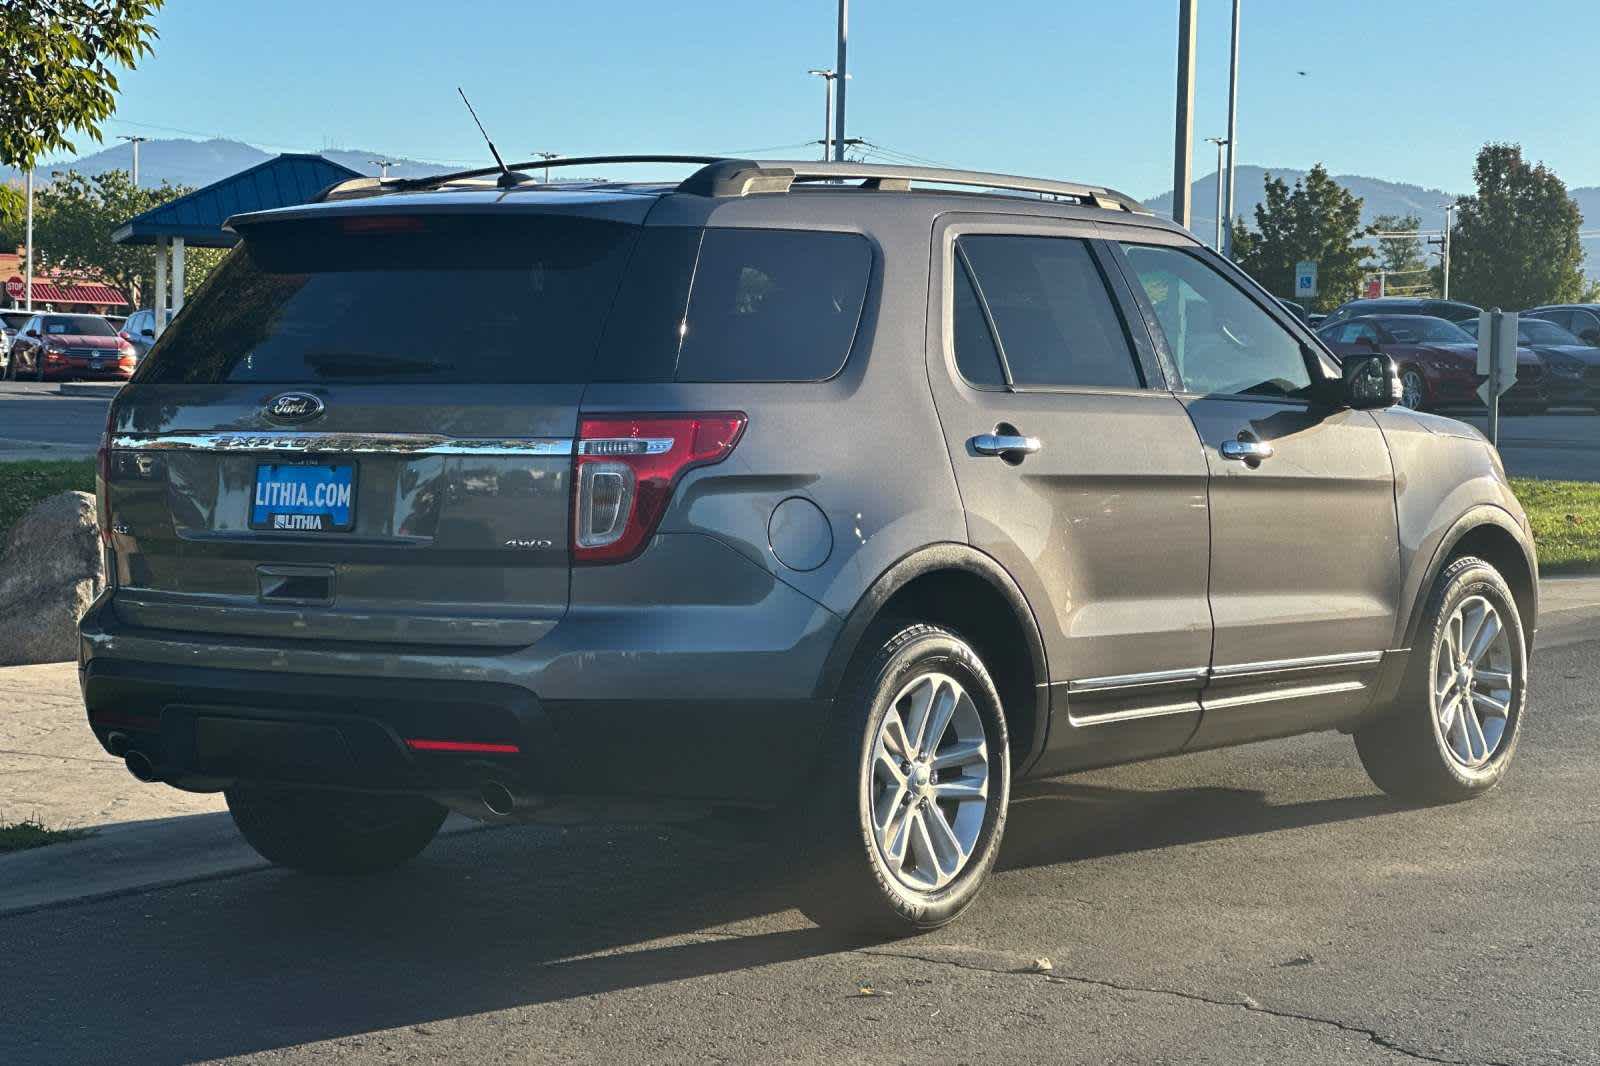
[1538,331]
[976,356]
[1053,312]
[1583,322]
[1419,328]
[335,301]
[773,305]
[13,320]
[76,325]
[1559,316]
[1222,341]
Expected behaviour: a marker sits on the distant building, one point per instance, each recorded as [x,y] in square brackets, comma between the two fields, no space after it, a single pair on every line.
[54,291]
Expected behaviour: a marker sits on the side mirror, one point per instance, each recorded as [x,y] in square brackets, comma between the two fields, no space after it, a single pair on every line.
[31,333]
[1371,381]
[1592,336]
[147,332]
[1366,343]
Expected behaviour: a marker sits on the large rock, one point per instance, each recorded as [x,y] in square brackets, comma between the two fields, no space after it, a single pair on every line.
[50,572]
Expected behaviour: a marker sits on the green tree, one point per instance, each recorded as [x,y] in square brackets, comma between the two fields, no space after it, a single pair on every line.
[1516,243]
[73,222]
[57,58]
[1317,220]
[13,216]
[1402,258]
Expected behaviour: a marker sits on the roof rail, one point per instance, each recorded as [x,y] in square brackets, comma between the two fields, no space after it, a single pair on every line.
[741,177]
[723,177]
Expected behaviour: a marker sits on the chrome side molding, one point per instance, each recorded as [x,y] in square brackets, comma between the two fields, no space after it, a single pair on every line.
[342,443]
[1198,674]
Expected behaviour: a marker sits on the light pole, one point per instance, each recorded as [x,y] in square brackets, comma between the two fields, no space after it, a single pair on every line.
[1220,142]
[547,156]
[27,270]
[827,77]
[1183,143]
[1449,210]
[134,142]
[383,166]
[841,77]
[1233,131]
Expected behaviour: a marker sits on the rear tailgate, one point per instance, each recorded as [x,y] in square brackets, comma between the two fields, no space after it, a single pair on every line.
[360,430]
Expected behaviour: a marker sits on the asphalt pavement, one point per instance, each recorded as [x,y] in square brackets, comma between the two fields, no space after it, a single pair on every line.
[37,423]
[1256,905]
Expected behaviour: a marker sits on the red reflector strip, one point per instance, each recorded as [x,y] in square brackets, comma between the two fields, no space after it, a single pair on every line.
[463,745]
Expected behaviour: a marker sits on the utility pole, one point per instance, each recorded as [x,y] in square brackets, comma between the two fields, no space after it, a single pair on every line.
[383,166]
[134,142]
[27,270]
[1233,132]
[827,77]
[841,77]
[547,156]
[1219,142]
[1183,142]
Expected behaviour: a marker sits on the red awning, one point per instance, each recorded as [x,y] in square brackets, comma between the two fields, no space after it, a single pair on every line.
[67,293]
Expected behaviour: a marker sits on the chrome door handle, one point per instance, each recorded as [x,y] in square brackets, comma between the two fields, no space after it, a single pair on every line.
[1002,444]
[1248,451]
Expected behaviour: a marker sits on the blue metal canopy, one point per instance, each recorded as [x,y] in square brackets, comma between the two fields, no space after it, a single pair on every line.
[198,217]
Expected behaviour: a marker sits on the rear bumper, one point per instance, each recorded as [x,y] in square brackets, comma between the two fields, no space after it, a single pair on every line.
[600,706]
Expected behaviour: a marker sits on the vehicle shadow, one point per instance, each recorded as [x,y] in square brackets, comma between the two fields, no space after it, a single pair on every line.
[487,921]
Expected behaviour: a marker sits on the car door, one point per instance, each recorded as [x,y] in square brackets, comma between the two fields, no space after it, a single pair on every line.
[1305,567]
[1080,473]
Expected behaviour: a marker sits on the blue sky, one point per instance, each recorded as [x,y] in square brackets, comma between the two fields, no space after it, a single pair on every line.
[1403,89]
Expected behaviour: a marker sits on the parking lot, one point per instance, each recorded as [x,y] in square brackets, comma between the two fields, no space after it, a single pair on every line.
[1230,907]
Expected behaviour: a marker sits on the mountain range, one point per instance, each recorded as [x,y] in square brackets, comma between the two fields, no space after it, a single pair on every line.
[191,162]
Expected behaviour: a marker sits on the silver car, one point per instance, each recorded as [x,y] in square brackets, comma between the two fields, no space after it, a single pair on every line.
[845,492]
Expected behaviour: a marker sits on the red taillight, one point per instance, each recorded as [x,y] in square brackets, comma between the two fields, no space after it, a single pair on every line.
[381,224]
[102,483]
[465,746]
[624,470]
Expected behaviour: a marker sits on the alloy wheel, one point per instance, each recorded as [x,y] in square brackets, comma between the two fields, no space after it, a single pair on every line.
[928,782]
[1412,390]
[1473,683]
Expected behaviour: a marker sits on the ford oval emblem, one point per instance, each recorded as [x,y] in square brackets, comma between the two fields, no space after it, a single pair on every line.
[293,407]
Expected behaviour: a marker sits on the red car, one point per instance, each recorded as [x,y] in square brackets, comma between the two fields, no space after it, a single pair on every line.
[52,347]
[1437,360]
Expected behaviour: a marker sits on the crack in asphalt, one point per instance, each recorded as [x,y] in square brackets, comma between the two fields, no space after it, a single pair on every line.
[1248,1005]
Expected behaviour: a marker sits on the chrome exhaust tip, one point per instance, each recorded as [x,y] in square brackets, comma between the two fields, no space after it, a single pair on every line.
[497,798]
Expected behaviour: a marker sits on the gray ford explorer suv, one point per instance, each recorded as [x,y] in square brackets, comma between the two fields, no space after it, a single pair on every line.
[829,490]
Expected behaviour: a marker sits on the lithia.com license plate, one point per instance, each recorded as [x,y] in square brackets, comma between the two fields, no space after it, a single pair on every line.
[317,498]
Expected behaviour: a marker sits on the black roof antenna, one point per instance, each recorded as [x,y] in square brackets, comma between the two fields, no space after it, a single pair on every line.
[508,177]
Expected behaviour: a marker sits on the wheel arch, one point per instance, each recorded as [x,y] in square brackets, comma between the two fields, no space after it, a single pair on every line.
[961,588]
[1493,535]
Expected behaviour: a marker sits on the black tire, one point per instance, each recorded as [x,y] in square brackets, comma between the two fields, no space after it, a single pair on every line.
[326,832]
[850,887]
[1404,750]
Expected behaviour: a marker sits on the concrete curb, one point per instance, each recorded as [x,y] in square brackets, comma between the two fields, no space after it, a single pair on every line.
[101,389]
[132,857]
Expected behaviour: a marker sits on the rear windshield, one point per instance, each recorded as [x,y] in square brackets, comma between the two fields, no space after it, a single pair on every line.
[77,326]
[737,305]
[401,299]
[441,300]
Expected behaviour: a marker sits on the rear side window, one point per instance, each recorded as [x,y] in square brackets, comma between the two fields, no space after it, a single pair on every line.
[1052,310]
[336,300]
[749,305]
[976,356]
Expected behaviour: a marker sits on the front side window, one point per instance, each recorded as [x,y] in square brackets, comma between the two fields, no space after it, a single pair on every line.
[1052,310]
[1222,341]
